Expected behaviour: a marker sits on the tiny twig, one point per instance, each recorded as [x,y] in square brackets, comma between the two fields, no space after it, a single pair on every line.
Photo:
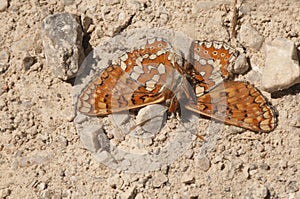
[234,19]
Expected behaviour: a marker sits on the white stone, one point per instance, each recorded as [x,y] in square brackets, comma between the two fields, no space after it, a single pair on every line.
[89,137]
[152,117]
[250,37]
[281,66]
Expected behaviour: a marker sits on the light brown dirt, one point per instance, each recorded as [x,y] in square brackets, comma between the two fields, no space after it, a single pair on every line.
[40,150]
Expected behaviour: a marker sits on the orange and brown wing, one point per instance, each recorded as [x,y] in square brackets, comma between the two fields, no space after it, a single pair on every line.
[239,104]
[141,77]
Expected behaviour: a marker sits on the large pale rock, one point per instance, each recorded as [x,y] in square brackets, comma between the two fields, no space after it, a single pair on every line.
[281,67]
[62,40]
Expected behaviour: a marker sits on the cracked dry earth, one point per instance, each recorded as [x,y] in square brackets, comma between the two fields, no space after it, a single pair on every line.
[42,155]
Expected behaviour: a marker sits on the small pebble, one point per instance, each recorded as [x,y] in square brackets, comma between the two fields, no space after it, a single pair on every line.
[188,178]
[158,180]
[3,5]
[203,163]
[28,62]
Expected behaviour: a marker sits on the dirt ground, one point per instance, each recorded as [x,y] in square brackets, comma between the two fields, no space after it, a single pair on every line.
[41,152]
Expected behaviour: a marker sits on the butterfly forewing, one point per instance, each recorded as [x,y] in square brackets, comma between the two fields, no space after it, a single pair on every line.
[139,78]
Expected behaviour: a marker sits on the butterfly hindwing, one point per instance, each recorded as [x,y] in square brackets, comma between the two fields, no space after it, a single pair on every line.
[210,62]
[239,104]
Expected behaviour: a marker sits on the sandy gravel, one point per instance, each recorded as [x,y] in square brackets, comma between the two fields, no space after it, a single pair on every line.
[41,152]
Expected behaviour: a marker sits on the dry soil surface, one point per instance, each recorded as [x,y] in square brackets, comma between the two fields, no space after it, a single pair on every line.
[41,152]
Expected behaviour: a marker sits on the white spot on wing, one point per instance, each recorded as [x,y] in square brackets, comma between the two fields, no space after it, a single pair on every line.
[199,91]
[150,85]
[160,52]
[139,61]
[145,56]
[123,65]
[124,57]
[150,67]
[210,62]
[202,62]
[208,44]
[196,57]
[151,41]
[156,78]
[134,75]
[84,96]
[217,45]
[152,56]
[161,68]
[138,69]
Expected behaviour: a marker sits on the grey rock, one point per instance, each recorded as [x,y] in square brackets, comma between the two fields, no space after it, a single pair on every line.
[28,61]
[241,65]
[152,118]
[2,103]
[281,67]
[90,137]
[62,38]
[250,37]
